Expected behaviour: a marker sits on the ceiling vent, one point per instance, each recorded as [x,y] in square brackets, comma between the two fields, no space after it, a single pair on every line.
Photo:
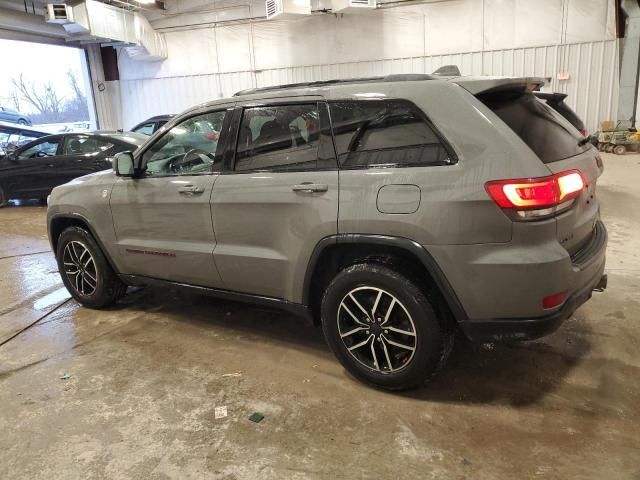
[352,6]
[58,13]
[281,8]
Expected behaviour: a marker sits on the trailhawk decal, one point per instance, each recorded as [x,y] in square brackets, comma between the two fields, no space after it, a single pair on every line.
[150,252]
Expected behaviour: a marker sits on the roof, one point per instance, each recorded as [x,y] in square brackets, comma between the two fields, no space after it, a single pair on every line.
[346,81]
[373,86]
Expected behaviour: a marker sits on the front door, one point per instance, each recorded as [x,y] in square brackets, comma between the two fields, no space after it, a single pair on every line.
[33,171]
[163,219]
[277,199]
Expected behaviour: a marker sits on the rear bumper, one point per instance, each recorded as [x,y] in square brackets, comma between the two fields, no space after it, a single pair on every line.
[529,329]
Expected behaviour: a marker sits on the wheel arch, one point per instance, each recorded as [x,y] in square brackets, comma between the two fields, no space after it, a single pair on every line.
[60,222]
[333,253]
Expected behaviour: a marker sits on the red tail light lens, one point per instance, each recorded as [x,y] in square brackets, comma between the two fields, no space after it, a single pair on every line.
[536,193]
[554,300]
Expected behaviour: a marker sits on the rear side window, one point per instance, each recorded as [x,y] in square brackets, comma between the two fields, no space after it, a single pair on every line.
[384,133]
[80,145]
[537,124]
[145,129]
[278,138]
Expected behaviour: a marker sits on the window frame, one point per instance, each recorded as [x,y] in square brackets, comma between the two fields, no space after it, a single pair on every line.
[97,138]
[234,134]
[453,157]
[227,108]
[38,141]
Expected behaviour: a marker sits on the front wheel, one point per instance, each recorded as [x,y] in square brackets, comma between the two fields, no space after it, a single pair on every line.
[85,270]
[382,327]
[22,121]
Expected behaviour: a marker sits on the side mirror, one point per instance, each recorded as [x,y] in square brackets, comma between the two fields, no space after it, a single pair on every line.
[124,165]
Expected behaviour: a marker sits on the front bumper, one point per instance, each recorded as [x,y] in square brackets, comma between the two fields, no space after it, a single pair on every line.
[529,329]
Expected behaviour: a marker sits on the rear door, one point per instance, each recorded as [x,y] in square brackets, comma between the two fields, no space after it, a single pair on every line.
[163,221]
[278,197]
[83,154]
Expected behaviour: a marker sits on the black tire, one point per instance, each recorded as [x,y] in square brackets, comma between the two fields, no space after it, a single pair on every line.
[619,149]
[22,121]
[108,287]
[432,342]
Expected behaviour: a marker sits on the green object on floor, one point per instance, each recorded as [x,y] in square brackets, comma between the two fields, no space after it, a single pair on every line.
[256,417]
[66,376]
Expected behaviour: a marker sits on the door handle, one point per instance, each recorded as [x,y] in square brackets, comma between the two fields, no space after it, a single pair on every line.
[190,190]
[308,187]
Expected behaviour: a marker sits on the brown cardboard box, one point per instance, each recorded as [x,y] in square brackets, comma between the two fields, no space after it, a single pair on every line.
[607,125]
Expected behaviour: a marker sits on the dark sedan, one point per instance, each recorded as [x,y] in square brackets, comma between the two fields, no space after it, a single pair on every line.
[34,169]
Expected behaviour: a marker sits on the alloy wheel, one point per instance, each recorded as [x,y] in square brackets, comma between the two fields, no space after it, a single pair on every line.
[376,329]
[80,268]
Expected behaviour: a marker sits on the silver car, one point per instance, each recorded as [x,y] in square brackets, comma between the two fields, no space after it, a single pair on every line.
[392,211]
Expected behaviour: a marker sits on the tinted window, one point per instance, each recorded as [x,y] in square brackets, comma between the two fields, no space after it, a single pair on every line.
[189,148]
[537,124]
[82,145]
[278,138]
[42,149]
[386,132]
[146,129]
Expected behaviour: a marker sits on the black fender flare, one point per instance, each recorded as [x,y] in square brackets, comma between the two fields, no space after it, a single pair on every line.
[85,221]
[406,244]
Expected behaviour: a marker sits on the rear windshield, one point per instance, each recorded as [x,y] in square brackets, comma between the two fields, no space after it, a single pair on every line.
[537,124]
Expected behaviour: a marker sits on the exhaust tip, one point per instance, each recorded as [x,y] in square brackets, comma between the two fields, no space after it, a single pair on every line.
[601,286]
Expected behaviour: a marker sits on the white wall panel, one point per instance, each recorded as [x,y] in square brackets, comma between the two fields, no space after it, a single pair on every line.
[592,84]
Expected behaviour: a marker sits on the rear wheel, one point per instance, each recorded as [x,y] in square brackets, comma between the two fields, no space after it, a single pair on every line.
[85,270]
[608,148]
[382,327]
[22,121]
[619,149]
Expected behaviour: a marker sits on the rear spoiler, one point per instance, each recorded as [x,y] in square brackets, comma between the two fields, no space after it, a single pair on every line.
[482,85]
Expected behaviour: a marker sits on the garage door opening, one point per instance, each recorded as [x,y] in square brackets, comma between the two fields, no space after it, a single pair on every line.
[46,87]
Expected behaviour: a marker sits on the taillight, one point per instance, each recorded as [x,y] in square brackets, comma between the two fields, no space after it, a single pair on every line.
[537,197]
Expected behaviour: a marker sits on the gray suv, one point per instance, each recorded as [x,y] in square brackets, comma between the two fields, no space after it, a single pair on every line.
[392,211]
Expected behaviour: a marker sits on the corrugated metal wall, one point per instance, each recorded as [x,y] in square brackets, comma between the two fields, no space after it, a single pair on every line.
[592,84]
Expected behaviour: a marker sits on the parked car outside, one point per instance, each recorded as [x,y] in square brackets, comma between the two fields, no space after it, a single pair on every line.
[13,136]
[393,211]
[12,116]
[32,170]
[151,125]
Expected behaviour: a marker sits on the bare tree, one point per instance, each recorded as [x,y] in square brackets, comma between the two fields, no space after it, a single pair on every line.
[78,103]
[42,97]
[14,99]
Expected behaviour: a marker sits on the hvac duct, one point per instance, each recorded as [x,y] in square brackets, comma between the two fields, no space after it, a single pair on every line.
[280,8]
[352,6]
[96,22]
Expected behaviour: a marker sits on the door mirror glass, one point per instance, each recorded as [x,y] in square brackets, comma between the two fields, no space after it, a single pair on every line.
[124,164]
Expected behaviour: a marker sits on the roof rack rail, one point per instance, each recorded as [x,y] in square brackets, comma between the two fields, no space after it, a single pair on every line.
[408,77]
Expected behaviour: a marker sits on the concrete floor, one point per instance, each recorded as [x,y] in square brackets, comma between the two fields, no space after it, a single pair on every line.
[145,377]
